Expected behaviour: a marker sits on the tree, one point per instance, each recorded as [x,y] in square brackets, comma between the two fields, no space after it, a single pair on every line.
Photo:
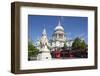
[76,44]
[83,45]
[79,44]
[32,50]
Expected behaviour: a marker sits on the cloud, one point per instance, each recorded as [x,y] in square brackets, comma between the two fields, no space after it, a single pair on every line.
[83,36]
[69,35]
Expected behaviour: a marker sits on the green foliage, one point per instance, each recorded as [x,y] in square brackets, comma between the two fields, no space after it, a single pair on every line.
[78,44]
[83,45]
[65,45]
[32,50]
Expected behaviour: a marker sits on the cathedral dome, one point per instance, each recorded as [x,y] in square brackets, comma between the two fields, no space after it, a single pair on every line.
[59,27]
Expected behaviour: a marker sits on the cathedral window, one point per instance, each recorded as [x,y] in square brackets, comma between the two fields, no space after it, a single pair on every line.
[60,35]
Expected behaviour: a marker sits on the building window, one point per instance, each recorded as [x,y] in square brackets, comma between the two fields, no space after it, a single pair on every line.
[60,36]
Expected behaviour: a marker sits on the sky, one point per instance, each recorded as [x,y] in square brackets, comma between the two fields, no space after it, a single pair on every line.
[73,26]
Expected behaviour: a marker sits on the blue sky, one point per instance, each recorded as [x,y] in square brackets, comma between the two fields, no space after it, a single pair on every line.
[73,26]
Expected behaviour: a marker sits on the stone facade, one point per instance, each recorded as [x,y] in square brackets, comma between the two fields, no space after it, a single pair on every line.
[44,52]
[58,40]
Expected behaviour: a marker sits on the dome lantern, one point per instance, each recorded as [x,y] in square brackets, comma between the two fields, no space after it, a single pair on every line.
[59,27]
